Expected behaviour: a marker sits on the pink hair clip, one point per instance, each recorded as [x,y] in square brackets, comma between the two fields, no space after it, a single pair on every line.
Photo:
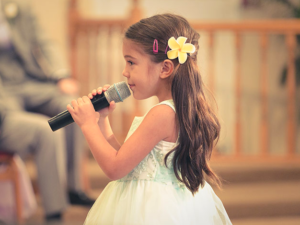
[167,48]
[155,46]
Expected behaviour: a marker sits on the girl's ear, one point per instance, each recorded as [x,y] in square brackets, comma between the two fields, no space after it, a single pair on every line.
[166,69]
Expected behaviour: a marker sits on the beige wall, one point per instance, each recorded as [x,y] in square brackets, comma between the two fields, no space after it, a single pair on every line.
[52,16]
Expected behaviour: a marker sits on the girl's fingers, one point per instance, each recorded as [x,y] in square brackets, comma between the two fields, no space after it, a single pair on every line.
[94,92]
[86,99]
[70,108]
[99,90]
[102,89]
[79,101]
[74,104]
[105,87]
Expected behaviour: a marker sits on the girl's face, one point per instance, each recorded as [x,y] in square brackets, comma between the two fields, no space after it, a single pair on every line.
[142,74]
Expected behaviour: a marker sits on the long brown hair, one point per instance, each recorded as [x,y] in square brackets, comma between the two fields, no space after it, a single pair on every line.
[198,125]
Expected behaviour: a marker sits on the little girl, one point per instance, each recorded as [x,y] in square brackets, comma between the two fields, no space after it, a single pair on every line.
[159,172]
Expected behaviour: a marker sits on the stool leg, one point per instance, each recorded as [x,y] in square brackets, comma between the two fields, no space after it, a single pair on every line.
[18,198]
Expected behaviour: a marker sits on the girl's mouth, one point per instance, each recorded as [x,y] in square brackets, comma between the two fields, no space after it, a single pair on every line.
[131,85]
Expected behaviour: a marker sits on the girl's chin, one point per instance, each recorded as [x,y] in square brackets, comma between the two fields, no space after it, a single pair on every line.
[137,97]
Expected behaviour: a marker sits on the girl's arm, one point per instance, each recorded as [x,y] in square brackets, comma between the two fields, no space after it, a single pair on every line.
[103,121]
[107,132]
[158,124]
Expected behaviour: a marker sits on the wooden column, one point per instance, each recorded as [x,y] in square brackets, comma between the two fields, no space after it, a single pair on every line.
[264,128]
[94,46]
[291,88]
[136,13]
[110,65]
[110,62]
[238,129]
[72,28]
[211,74]
[85,63]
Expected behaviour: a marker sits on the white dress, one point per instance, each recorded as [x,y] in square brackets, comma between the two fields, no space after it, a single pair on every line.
[151,194]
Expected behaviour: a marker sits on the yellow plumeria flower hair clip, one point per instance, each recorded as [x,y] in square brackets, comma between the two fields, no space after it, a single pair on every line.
[179,49]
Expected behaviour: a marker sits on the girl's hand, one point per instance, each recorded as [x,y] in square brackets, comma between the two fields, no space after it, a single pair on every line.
[106,111]
[83,112]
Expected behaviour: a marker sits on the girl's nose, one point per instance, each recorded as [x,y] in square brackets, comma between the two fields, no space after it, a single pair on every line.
[125,73]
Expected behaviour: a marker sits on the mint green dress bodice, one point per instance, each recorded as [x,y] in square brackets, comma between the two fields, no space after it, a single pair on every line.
[152,167]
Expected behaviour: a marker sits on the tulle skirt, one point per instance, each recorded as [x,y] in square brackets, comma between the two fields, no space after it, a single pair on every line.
[150,202]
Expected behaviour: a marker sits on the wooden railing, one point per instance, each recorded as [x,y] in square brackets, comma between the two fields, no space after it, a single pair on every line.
[289,28]
[95,58]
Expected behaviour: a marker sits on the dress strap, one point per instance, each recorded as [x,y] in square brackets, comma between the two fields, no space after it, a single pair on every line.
[169,103]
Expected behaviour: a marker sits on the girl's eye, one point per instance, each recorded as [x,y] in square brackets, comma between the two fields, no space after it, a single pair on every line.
[131,63]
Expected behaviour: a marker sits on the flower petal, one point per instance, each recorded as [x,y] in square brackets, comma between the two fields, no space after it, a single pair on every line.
[190,48]
[172,54]
[182,56]
[173,44]
[181,40]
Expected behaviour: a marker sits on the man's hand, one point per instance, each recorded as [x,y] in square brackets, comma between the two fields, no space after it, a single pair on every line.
[68,86]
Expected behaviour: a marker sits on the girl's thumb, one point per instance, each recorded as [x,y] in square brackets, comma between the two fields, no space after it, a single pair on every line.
[112,106]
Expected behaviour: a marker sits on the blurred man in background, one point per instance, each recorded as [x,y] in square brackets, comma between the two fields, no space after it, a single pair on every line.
[34,85]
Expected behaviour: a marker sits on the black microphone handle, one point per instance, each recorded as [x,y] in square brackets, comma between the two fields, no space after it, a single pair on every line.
[64,118]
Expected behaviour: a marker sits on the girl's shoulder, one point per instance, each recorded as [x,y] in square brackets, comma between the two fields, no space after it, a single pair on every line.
[164,106]
[164,110]
[160,120]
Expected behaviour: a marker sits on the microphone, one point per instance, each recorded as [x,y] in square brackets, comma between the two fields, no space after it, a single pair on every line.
[116,92]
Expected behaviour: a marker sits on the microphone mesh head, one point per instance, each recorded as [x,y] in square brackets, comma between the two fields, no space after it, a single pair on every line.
[117,92]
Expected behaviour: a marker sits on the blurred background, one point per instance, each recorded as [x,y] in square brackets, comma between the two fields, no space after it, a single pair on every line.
[250,61]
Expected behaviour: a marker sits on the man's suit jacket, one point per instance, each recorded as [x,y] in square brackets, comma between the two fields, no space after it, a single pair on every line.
[40,57]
